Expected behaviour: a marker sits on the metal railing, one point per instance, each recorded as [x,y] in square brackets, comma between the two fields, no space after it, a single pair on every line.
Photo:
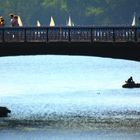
[70,34]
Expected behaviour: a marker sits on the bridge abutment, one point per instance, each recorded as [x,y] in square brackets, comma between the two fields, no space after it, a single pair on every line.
[121,50]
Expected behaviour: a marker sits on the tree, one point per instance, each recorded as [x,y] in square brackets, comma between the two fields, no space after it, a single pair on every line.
[83,12]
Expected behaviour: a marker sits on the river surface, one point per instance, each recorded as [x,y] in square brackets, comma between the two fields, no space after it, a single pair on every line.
[69,98]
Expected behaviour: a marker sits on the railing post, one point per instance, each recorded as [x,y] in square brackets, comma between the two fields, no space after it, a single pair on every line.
[25,35]
[69,37]
[3,38]
[60,36]
[114,37]
[47,38]
[91,34]
[135,31]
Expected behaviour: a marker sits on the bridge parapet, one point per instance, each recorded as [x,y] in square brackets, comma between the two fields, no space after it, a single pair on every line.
[70,34]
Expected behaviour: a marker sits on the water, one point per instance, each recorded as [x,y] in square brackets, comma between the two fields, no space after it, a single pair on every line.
[72,97]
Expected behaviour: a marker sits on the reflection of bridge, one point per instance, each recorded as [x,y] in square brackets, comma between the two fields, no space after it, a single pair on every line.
[115,42]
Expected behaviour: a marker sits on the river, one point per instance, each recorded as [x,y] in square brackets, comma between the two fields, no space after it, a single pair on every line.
[69,97]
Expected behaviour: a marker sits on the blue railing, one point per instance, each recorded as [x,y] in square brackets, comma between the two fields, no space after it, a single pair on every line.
[70,34]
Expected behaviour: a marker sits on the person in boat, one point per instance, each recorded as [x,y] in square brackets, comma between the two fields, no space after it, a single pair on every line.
[2,22]
[130,80]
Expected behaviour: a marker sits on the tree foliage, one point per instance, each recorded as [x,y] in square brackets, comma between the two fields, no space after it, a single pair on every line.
[83,12]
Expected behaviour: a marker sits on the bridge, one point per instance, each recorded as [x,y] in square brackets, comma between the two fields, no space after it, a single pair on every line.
[121,42]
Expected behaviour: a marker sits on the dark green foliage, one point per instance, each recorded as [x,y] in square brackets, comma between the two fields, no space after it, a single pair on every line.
[83,12]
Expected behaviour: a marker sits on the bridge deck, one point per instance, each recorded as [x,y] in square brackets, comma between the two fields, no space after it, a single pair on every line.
[114,42]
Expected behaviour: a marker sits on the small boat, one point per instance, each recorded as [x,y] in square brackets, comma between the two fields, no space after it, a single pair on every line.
[52,23]
[4,111]
[134,20]
[38,23]
[131,85]
[20,22]
[70,23]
